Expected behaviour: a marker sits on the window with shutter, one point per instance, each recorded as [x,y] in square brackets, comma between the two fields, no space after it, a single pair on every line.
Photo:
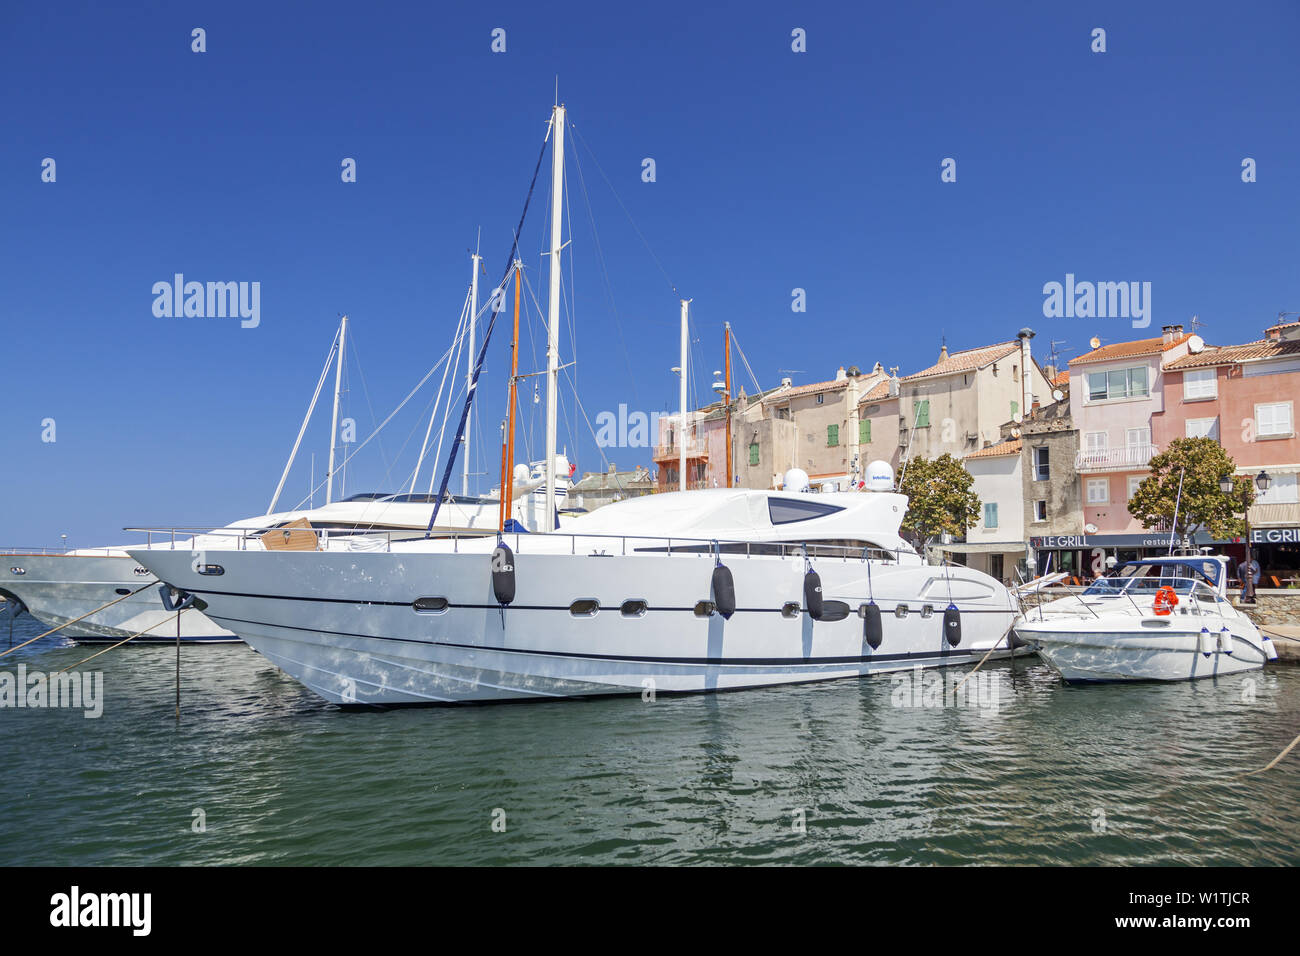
[1015,409]
[864,432]
[991,515]
[921,410]
[832,434]
[753,453]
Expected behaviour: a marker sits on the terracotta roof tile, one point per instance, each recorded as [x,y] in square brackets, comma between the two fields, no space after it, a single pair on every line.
[1011,446]
[781,394]
[1062,378]
[1123,350]
[1230,354]
[967,361]
[877,393]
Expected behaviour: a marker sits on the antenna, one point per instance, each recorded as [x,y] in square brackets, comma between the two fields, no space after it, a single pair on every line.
[1196,323]
[1056,350]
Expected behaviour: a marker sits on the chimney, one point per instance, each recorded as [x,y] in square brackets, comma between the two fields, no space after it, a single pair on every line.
[785,383]
[840,374]
[1026,378]
[1171,332]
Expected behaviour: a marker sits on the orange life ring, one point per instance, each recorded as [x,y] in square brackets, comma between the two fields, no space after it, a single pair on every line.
[1166,601]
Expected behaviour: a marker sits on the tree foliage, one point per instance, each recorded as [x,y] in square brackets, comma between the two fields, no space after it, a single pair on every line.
[939,498]
[1199,463]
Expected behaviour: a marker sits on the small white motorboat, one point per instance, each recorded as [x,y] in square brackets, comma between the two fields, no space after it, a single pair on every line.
[1151,619]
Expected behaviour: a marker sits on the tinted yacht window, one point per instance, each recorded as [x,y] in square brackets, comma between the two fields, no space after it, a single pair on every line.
[786,510]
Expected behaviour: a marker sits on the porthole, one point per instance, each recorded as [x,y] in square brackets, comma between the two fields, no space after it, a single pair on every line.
[790,609]
[900,611]
[705,609]
[430,605]
[927,611]
[18,570]
[210,569]
[122,591]
[584,607]
[634,608]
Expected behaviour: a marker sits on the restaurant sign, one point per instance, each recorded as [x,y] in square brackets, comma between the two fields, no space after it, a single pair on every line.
[1077,542]
[1275,535]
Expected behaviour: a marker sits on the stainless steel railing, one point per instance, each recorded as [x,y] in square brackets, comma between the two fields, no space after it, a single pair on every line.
[595,543]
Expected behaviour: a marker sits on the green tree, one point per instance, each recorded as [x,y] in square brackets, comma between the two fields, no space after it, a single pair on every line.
[1199,463]
[939,499]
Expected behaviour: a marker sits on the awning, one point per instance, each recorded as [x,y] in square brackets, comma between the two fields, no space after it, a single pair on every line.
[982,547]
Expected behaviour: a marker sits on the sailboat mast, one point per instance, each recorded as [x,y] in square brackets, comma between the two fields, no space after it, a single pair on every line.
[469,364]
[681,430]
[334,424]
[508,462]
[553,311]
[726,398]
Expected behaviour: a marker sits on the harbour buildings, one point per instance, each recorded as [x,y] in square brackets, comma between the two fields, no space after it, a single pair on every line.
[1244,397]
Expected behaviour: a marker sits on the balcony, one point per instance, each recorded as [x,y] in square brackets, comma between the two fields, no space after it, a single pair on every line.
[694,450]
[1124,458]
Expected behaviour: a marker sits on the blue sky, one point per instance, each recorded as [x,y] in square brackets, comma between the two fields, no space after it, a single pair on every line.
[775,170]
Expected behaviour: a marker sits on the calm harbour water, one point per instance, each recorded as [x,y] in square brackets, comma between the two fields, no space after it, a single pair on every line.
[1143,774]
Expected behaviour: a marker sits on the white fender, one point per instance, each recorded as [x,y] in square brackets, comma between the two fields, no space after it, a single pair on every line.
[1225,640]
[1205,642]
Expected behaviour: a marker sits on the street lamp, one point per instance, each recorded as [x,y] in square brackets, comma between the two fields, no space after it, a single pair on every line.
[1262,481]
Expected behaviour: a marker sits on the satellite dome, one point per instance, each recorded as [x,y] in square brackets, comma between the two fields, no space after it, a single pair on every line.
[880,476]
[796,479]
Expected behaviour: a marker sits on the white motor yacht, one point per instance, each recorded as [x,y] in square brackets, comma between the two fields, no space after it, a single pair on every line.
[58,587]
[1151,619]
[685,591]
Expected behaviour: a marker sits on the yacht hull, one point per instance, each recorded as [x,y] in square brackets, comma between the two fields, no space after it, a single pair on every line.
[56,589]
[344,625]
[1088,656]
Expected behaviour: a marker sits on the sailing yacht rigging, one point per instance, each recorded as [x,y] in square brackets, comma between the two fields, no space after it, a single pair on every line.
[96,595]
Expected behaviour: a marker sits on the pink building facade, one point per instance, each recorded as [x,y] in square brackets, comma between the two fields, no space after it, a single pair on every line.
[1117,395]
[1244,397]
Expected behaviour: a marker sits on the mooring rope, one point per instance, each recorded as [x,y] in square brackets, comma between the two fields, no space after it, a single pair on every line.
[981,663]
[1276,760]
[82,618]
[119,643]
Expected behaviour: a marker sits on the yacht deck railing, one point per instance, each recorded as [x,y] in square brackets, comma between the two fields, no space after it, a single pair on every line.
[237,539]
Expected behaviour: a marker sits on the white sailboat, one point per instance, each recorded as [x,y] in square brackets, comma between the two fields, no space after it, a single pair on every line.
[1152,619]
[681,592]
[95,594]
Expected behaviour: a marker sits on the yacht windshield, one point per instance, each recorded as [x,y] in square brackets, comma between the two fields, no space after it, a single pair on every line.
[1147,577]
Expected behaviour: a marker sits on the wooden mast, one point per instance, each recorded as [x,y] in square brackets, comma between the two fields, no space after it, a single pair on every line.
[726,400]
[508,464]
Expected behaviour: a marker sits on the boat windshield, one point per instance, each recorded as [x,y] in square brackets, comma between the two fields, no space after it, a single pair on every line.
[1147,577]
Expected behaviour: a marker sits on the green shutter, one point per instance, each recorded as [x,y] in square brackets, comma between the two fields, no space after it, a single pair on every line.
[864,432]
[832,434]
[921,411]
[1015,409]
[753,453]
